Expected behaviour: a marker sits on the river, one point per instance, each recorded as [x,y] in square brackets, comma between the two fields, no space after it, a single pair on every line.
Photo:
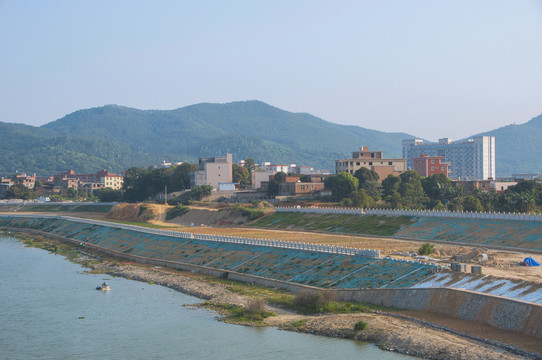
[51,310]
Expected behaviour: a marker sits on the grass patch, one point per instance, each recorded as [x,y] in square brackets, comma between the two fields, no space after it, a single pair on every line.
[177,211]
[336,223]
[310,303]
[254,313]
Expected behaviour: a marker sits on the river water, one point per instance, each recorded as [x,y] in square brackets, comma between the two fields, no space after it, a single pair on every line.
[49,309]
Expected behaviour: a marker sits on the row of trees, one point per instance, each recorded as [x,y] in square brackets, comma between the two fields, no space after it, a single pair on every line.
[140,184]
[410,191]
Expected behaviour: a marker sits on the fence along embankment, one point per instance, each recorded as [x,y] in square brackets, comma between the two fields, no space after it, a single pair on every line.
[519,316]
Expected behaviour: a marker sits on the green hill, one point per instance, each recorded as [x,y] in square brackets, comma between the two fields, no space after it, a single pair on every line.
[518,148]
[116,137]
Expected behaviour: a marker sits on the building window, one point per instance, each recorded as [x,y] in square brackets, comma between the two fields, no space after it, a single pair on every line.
[390,163]
[370,163]
[432,161]
[357,164]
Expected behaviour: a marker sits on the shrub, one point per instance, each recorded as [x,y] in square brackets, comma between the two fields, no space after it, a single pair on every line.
[360,325]
[178,210]
[254,311]
[426,249]
[311,302]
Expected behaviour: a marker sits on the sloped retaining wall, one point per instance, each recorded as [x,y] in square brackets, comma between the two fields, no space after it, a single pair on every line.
[520,316]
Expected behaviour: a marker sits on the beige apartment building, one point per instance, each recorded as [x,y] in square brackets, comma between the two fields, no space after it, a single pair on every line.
[213,171]
[372,160]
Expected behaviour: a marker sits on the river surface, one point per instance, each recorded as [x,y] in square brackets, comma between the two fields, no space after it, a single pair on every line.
[49,309]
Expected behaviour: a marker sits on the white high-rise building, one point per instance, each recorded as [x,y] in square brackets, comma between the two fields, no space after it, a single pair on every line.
[473,159]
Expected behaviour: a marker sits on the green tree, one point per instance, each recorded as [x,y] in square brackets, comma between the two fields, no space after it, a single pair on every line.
[411,190]
[180,179]
[241,175]
[273,186]
[488,199]
[438,187]
[108,195]
[360,198]
[456,204]
[472,204]
[250,165]
[390,185]
[373,189]
[364,175]
[342,185]
[19,191]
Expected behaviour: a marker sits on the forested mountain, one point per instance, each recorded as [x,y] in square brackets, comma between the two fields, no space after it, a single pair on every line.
[116,138]
[518,148]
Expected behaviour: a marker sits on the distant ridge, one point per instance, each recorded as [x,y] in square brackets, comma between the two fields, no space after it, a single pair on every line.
[518,148]
[117,137]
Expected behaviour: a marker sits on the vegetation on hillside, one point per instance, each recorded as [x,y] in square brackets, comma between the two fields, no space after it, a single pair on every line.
[116,138]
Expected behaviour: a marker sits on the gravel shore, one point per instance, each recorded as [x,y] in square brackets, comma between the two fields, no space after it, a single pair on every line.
[394,333]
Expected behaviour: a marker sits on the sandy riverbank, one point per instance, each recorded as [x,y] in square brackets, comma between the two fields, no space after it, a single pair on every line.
[389,331]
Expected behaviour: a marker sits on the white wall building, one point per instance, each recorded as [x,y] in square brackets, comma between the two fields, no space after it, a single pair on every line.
[213,170]
[473,159]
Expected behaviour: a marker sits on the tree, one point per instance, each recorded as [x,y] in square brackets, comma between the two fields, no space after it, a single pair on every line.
[108,195]
[438,187]
[360,198]
[390,185]
[134,184]
[373,189]
[273,185]
[250,165]
[342,185]
[411,190]
[19,191]
[364,175]
[472,204]
[241,175]
[456,204]
[180,179]
[488,199]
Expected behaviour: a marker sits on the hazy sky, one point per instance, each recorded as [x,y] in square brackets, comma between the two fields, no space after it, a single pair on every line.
[429,68]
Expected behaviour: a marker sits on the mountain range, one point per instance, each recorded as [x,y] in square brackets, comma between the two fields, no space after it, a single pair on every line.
[115,138]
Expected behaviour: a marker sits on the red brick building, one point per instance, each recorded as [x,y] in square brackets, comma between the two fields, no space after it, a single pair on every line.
[428,165]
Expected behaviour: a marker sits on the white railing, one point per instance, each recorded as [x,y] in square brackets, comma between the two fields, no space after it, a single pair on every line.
[418,213]
[223,239]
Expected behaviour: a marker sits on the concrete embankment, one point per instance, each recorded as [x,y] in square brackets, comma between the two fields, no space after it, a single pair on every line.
[520,316]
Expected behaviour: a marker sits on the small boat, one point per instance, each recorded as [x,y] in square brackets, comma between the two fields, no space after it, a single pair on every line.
[103,287]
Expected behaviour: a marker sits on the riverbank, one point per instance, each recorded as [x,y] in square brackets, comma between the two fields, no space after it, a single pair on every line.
[390,331]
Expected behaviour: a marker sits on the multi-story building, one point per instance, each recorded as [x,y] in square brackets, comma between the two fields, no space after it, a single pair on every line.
[372,160]
[484,185]
[213,171]
[426,165]
[473,159]
[292,186]
[28,181]
[70,179]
